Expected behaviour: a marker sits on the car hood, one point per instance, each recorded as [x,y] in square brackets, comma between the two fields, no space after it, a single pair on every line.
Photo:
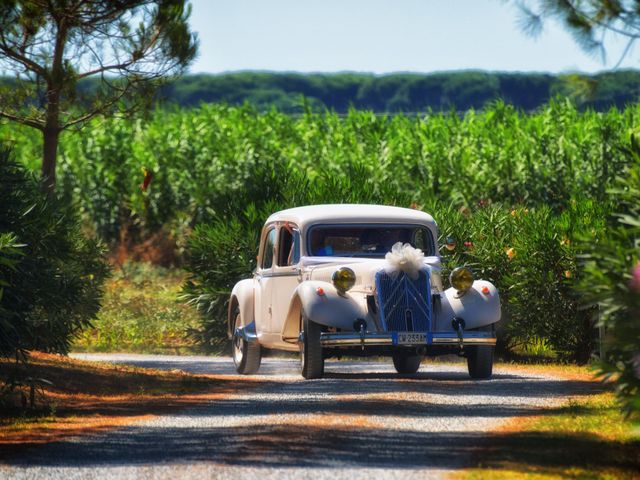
[322,269]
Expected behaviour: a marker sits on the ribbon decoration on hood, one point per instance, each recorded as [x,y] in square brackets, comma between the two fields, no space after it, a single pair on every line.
[405,258]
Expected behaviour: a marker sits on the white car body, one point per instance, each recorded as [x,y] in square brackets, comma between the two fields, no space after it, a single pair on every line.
[290,283]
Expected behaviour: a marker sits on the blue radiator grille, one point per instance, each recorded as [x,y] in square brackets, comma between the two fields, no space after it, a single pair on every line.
[405,304]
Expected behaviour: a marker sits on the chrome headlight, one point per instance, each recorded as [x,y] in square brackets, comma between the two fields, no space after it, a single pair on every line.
[343,279]
[461,279]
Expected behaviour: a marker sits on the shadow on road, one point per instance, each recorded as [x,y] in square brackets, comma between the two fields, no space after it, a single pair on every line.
[282,446]
[265,446]
[372,377]
[353,418]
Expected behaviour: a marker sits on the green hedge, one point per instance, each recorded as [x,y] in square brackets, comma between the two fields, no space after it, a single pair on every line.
[611,282]
[532,255]
[51,275]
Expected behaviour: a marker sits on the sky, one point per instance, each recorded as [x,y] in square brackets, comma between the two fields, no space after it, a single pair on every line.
[383,36]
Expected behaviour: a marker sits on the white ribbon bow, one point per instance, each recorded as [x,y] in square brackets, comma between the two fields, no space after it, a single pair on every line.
[406,259]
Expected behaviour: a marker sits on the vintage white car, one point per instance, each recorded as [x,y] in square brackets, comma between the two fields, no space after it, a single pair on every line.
[335,280]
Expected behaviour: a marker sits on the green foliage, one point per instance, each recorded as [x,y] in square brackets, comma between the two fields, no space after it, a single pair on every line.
[542,302]
[612,281]
[498,178]
[51,275]
[589,22]
[204,157]
[50,61]
[393,93]
[219,255]
[141,313]
[530,255]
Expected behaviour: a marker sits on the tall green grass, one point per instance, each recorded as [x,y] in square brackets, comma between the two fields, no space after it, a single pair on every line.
[203,158]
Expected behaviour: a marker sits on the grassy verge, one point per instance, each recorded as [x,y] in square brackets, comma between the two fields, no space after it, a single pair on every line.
[80,396]
[567,371]
[585,438]
[141,313]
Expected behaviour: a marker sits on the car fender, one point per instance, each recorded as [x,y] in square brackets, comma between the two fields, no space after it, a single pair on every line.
[478,307]
[323,304]
[243,296]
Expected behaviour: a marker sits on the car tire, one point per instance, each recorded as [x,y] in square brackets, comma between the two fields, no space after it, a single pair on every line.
[480,361]
[311,356]
[406,364]
[246,355]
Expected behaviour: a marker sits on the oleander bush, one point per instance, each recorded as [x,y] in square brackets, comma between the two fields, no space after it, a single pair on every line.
[220,254]
[532,256]
[51,274]
[611,281]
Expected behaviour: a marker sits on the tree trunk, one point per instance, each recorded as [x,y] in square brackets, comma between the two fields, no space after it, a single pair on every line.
[51,131]
[49,153]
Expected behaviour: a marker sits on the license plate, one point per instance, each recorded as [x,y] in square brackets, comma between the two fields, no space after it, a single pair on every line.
[411,338]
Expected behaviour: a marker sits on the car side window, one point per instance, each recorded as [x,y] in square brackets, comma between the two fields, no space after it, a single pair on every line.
[289,246]
[267,253]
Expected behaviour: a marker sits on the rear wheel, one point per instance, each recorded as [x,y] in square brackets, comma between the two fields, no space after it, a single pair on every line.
[246,355]
[311,356]
[480,361]
[405,363]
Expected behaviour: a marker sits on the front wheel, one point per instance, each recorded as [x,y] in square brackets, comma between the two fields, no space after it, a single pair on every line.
[246,355]
[480,361]
[406,364]
[311,356]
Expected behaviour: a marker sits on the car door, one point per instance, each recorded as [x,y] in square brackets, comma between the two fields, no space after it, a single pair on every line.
[286,274]
[264,281]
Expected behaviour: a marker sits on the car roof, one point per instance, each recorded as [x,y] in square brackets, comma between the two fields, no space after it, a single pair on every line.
[348,213]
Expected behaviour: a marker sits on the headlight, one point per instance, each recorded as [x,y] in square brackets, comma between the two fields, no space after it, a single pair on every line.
[461,279]
[343,279]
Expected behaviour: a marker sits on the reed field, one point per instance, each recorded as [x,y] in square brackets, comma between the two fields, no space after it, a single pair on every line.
[202,157]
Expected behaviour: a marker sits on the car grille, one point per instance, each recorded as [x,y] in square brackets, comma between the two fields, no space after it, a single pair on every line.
[405,304]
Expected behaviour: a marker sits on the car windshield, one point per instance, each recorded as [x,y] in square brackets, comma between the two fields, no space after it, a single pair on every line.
[366,240]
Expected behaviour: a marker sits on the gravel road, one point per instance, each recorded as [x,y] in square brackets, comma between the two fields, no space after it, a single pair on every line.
[361,421]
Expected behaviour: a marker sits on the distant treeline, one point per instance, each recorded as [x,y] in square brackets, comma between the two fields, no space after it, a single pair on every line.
[292,92]
[393,93]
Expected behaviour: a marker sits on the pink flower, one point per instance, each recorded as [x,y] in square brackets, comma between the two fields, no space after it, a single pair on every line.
[468,244]
[634,283]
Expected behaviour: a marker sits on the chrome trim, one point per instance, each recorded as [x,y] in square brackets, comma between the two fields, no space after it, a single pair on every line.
[465,341]
[353,339]
[295,271]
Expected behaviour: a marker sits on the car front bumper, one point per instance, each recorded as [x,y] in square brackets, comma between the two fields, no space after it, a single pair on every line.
[355,339]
